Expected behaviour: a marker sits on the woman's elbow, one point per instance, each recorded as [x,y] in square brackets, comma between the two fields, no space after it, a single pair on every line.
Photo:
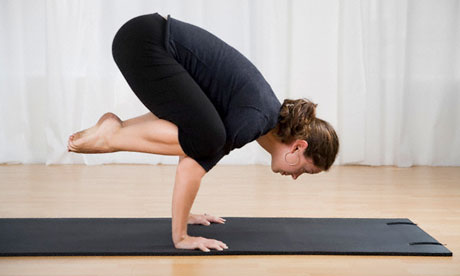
[189,168]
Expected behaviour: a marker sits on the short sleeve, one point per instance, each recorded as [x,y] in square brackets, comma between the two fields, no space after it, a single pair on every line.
[250,127]
[209,162]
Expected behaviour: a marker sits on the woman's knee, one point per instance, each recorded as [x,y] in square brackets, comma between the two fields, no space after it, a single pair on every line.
[128,41]
[213,139]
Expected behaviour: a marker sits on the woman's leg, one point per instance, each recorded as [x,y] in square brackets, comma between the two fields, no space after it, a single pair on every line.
[146,133]
[164,86]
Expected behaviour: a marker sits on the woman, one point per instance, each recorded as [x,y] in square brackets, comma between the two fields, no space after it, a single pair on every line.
[206,99]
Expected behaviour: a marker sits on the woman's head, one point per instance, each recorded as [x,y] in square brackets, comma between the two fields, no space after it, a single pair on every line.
[309,143]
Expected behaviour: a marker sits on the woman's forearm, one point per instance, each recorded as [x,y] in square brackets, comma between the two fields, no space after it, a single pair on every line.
[187,183]
[184,194]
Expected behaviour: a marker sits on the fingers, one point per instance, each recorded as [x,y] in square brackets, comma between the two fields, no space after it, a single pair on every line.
[202,247]
[210,218]
[217,244]
[213,244]
[204,219]
[200,243]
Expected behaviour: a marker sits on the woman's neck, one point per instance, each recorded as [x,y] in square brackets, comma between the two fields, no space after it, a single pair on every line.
[269,142]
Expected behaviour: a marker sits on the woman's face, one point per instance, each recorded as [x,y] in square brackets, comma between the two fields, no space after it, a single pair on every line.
[291,161]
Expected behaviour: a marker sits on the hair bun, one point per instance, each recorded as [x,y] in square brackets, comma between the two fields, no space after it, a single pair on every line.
[296,115]
[302,109]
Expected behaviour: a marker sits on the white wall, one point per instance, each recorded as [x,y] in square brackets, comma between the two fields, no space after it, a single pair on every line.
[385,74]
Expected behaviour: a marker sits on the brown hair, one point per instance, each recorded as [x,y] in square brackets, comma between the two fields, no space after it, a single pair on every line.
[297,120]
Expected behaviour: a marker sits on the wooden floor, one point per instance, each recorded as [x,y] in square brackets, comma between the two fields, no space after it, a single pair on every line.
[429,196]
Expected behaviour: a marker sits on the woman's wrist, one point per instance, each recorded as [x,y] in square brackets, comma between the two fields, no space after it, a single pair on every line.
[179,230]
[178,237]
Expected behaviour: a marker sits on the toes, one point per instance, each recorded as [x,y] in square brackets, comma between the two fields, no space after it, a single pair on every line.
[78,139]
[72,145]
[68,145]
[77,135]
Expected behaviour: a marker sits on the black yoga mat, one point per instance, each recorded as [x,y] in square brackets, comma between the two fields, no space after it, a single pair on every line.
[243,235]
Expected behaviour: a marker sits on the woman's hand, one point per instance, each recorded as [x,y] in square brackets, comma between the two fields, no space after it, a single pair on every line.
[204,219]
[201,243]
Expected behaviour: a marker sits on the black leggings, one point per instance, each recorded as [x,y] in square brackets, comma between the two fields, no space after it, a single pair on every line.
[165,87]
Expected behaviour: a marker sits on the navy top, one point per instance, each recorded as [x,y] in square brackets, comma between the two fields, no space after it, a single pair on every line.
[244,100]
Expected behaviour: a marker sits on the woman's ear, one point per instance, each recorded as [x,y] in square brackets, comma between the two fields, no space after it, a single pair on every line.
[300,145]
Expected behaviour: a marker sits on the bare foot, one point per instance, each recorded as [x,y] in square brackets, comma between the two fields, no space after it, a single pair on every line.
[96,139]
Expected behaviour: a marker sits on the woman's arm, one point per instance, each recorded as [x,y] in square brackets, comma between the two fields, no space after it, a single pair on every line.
[188,178]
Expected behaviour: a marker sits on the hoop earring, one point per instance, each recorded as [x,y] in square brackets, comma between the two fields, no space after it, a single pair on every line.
[298,159]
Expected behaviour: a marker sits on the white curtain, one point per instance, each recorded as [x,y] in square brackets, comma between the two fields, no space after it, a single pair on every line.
[384,73]
[399,82]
